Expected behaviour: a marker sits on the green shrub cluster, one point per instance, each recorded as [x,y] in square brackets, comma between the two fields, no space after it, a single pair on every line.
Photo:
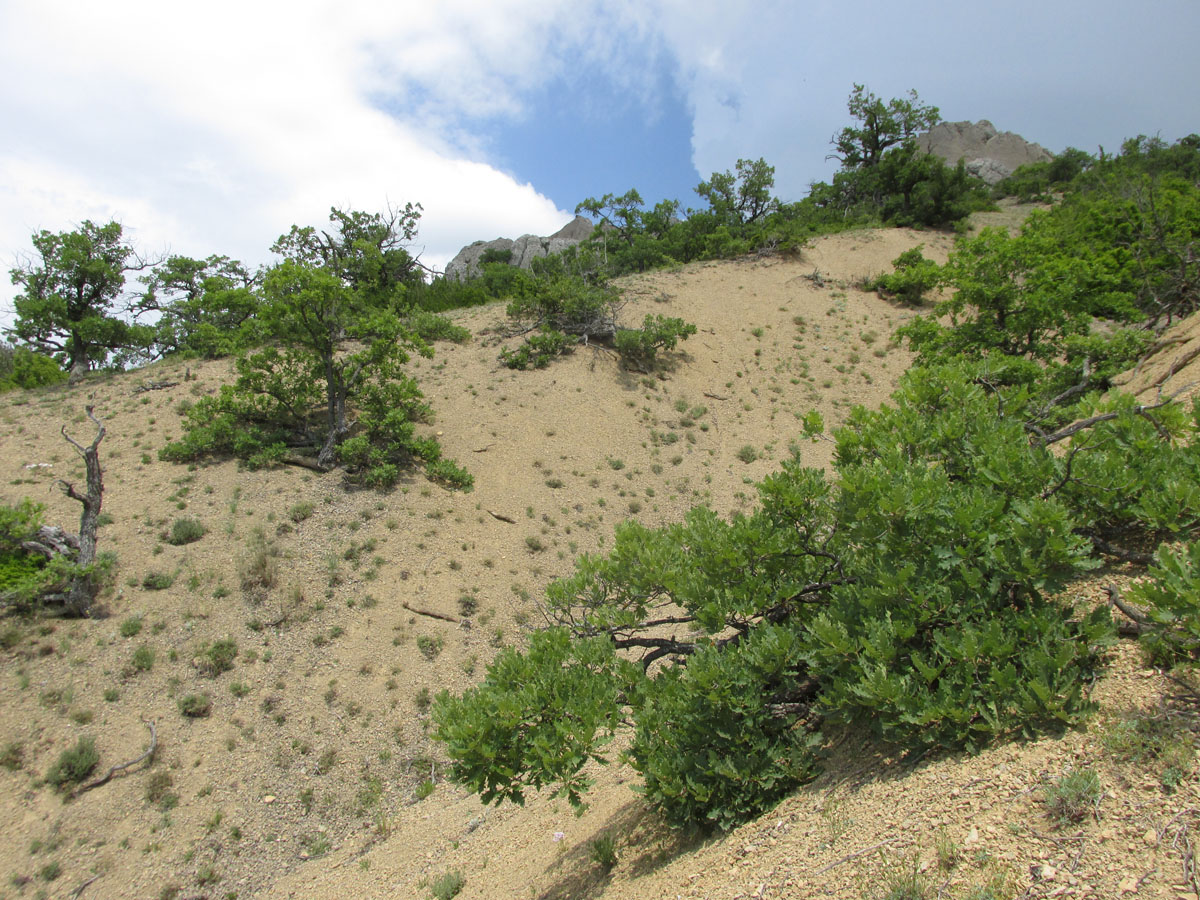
[915,594]
[74,764]
[913,277]
[24,369]
[537,350]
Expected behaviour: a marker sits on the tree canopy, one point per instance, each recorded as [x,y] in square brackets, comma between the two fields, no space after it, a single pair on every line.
[68,303]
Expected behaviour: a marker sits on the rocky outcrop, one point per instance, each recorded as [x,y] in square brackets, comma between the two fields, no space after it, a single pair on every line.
[524,249]
[988,153]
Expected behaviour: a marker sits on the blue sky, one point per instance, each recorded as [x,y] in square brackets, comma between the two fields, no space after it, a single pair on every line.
[212,130]
[583,136]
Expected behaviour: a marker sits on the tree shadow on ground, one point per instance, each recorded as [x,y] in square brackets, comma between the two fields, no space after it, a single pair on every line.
[644,843]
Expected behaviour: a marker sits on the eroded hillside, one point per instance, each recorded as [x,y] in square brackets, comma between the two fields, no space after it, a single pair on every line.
[313,775]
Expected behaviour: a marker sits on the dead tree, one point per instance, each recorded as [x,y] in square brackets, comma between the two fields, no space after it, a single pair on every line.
[83,584]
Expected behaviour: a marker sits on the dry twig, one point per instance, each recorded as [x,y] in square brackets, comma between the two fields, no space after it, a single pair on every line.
[123,766]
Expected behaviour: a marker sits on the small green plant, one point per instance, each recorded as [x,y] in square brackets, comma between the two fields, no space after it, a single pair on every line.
[1074,796]
[195,706]
[424,789]
[12,756]
[423,699]
[1161,739]
[535,544]
[158,785]
[157,581]
[217,657]
[74,764]
[905,881]
[447,885]
[747,454]
[603,851]
[430,646]
[130,627]
[142,659]
[316,845]
[185,531]
[301,511]
[948,852]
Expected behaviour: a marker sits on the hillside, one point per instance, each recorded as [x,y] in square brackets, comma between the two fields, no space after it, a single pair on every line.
[348,608]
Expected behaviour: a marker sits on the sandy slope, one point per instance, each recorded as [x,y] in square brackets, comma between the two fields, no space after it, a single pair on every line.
[303,782]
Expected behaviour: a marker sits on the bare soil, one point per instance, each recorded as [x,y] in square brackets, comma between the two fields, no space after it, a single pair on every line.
[314,776]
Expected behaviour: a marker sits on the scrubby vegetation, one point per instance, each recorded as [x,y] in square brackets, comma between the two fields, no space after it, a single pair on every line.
[917,591]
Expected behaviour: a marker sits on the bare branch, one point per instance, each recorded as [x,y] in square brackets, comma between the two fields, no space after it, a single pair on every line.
[107,777]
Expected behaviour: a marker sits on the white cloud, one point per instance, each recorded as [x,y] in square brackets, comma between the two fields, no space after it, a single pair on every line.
[214,131]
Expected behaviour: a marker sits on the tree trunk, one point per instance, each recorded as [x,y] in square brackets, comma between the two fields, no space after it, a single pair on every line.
[337,425]
[83,586]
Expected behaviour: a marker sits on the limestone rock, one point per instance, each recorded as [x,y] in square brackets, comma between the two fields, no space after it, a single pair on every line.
[988,153]
[525,249]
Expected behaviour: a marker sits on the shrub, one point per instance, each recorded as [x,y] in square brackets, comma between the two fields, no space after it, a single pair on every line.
[131,627]
[185,531]
[711,748]
[217,657]
[74,765]
[24,369]
[447,885]
[747,454]
[142,659]
[300,511]
[537,350]
[640,347]
[430,326]
[603,851]
[1074,797]
[914,276]
[195,706]
[157,581]
[1171,600]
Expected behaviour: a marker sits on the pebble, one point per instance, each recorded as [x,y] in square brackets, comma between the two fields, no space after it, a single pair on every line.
[1150,838]
[270,798]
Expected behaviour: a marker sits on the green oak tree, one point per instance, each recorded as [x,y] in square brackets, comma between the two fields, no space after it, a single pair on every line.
[67,306]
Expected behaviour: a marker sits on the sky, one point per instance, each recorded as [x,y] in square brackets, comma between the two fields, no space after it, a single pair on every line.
[212,128]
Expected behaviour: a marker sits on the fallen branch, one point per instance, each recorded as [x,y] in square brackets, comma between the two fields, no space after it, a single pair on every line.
[1177,364]
[496,515]
[123,766]
[304,462]
[850,856]
[714,396]
[433,615]
[154,386]
[1140,623]
[78,892]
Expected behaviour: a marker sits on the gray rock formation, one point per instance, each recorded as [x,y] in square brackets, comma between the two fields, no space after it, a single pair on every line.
[988,153]
[525,249]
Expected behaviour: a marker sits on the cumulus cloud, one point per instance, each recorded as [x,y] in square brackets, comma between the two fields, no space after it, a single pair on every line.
[212,129]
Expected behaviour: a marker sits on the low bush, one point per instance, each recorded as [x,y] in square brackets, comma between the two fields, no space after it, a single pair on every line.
[74,765]
[185,531]
[195,706]
[913,278]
